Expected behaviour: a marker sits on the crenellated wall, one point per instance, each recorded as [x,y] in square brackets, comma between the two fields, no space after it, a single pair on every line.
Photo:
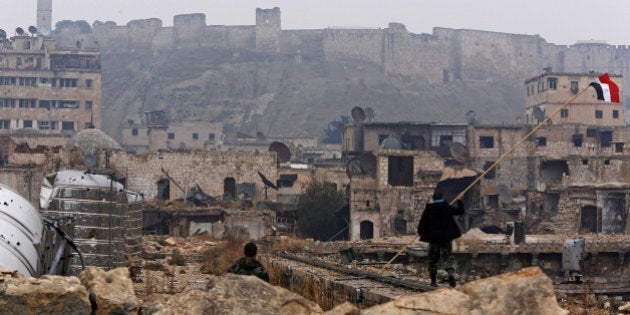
[445,55]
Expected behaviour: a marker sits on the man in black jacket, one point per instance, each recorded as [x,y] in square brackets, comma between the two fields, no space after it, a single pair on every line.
[438,228]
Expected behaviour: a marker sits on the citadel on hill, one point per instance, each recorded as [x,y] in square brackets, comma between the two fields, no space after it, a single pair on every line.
[262,78]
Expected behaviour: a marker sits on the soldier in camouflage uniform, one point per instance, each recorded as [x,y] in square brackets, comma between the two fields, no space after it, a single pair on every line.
[248,265]
[438,228]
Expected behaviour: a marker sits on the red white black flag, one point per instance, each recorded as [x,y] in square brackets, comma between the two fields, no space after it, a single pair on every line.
[606,89]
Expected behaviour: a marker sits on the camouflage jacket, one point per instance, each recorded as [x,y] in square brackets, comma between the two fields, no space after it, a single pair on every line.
[249,266]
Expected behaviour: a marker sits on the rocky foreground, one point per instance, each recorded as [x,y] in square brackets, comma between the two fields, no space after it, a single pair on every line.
[528,291]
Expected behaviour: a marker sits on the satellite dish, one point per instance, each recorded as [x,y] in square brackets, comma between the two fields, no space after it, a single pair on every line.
[390,143]
[3,34]
[266,181]
[353,167]
[32,30]
[90,160]
[539,114]
[19,31]
[367,162]
[459,152]
[505,194]
[471,117]
[283,152]
[369,112]
[358,114]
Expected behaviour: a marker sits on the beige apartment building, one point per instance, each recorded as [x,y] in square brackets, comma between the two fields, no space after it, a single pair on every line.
[55,91]
[549,91]
[157,132]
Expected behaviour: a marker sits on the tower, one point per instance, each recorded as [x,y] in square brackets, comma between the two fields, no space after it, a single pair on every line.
[44,16]
[268,29]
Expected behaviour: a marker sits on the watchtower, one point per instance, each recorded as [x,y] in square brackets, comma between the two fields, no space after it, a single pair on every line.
[268,28]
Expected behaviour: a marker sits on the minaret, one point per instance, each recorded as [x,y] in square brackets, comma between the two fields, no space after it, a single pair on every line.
[44,17]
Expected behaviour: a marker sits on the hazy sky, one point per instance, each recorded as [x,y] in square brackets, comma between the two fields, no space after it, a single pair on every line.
[557,21]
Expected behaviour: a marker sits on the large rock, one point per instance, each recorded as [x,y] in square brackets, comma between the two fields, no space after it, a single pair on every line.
[528,291]
[111,292]
[232,294]
[44,295]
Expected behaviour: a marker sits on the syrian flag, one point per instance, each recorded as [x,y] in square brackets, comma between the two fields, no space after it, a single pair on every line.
[606,89]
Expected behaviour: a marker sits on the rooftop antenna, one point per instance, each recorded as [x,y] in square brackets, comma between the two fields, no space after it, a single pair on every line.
[369,112]
[358,114]
[32,29]
[267,182]
[19,31]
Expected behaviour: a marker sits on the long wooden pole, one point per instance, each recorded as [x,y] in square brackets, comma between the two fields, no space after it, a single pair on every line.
[501,158]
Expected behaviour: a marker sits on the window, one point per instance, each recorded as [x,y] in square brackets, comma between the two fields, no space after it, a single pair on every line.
[27,103]
[541,141]
[486,142]
[89,83]
[28,124]
[552,83]
[400,170]
[88,105]
[599,114]
[47,125]
[211,136]
[591,133]
[615,114]
[195,136]
[574,87]
[619,147]
[171,135]
[5,123]
[134,131]
[491,173]
[577,140]
[7,102]
[564,113]
[67,83]
[67,125]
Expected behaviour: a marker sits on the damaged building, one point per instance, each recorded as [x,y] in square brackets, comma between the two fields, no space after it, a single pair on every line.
[569,176]
[48,90]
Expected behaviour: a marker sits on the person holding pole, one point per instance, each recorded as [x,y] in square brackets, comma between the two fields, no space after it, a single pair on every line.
[438,228]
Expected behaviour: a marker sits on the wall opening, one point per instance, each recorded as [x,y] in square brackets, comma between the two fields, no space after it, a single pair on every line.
[553,170]
[366,230]
[229,188]
[614,213]
[551,204]
[400,224]
[164,189]
[605,138]
[588,219]
[400,170]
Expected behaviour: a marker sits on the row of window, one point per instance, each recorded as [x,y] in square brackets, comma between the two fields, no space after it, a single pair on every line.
[171,135]
[605,140]
[599,114]
[47,104]
[51,82]
[38,124]
[550,84]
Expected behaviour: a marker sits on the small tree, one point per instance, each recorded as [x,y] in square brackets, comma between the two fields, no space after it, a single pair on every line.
[316,214]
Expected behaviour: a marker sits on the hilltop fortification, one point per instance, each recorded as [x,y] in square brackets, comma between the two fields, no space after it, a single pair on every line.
[447,62]
[444,55]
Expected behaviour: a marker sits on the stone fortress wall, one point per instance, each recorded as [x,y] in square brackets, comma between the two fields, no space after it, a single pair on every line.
[445,55]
